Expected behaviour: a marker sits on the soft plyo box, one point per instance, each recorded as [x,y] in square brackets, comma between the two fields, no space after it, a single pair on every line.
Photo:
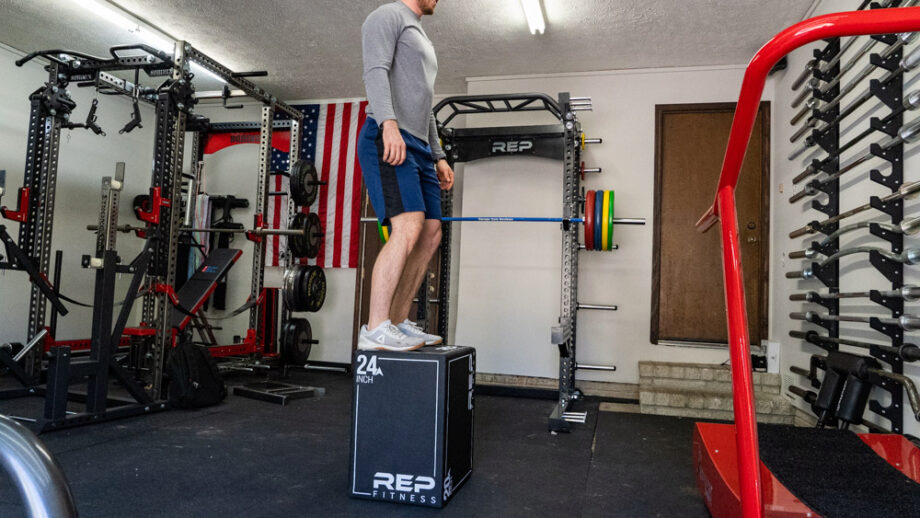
[412,426]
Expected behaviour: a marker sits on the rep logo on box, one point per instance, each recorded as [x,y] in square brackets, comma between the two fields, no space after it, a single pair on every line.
[403,488]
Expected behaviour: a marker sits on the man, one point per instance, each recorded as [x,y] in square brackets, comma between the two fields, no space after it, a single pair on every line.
[404,167]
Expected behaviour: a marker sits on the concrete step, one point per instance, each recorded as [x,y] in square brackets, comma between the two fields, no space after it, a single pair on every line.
[704,391]
[701,377]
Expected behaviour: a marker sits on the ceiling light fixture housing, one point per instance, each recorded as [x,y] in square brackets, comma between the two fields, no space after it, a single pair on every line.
[533,10]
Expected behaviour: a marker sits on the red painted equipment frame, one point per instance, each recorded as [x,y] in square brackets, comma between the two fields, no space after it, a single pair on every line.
[879,21]
[715,459]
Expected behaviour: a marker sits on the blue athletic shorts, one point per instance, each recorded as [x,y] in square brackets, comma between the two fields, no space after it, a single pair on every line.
[409,187]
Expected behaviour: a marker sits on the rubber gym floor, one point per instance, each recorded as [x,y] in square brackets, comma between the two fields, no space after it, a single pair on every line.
[246,458]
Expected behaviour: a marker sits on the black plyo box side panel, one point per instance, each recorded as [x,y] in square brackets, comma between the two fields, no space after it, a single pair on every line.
[412,425]
[459,428]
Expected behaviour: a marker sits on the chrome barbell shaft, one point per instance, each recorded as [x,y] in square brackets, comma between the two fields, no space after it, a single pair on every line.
[815,63]
[509,219]
[908,133]
[908,293]
[910,256]
[910,190]
[903,39]
[906,322]
[911,102]
[257,231]
[907,352]
[909,227]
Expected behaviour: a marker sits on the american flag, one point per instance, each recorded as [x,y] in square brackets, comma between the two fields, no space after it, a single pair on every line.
[330,136]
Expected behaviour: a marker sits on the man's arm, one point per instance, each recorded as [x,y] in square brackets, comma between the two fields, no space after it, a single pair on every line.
[434,141]
[444,170]
[379,35]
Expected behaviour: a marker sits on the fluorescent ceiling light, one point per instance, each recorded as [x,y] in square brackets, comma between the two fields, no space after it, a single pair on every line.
[112,15]
[149,35]
[534,13]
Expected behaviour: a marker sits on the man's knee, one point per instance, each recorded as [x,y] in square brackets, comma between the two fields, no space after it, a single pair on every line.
[407,228]
[431,234]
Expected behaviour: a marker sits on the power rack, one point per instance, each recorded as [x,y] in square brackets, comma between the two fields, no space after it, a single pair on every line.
[564,141]
[173,101]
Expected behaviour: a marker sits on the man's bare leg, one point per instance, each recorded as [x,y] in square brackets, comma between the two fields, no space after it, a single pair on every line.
[414,272]
[391,262]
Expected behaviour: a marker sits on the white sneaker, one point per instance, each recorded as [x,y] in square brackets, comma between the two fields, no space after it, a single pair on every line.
[387,337]
[412,330]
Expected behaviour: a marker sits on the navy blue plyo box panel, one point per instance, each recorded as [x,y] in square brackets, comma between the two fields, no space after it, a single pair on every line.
[412,426]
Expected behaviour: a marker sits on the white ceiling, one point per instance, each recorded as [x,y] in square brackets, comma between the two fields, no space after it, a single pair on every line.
[312,48]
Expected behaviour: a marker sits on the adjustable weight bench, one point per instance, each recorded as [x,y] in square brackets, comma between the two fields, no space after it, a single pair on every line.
[198,289]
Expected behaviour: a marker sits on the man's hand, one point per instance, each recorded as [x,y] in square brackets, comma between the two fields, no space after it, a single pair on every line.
[445,174]
[394,147]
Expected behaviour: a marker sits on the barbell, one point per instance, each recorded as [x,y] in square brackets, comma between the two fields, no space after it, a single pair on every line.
[903,39]
[305,233]
[908,293]
[907,191]
[907,134]
[905,322]
[911,256]
[599,221]
[304,187]
[908,227]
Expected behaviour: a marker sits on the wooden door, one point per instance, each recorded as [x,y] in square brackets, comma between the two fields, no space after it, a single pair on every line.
[688,304]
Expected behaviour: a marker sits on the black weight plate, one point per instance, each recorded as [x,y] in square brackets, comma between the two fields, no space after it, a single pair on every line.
[304,183]
[310,182]
[288,285]
[300,294]
[287,336]
[307,287]
[314,289]
[313,236]
[291,287]
[298,342]
[298,195]
[296,243]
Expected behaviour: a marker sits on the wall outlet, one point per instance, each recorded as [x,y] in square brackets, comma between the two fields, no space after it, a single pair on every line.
[772,349]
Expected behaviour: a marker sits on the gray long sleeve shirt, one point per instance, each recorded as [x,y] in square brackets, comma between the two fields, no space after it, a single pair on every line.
[400,67]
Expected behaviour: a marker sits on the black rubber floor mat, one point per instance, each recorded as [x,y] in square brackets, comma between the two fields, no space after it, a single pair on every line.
[836,474]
